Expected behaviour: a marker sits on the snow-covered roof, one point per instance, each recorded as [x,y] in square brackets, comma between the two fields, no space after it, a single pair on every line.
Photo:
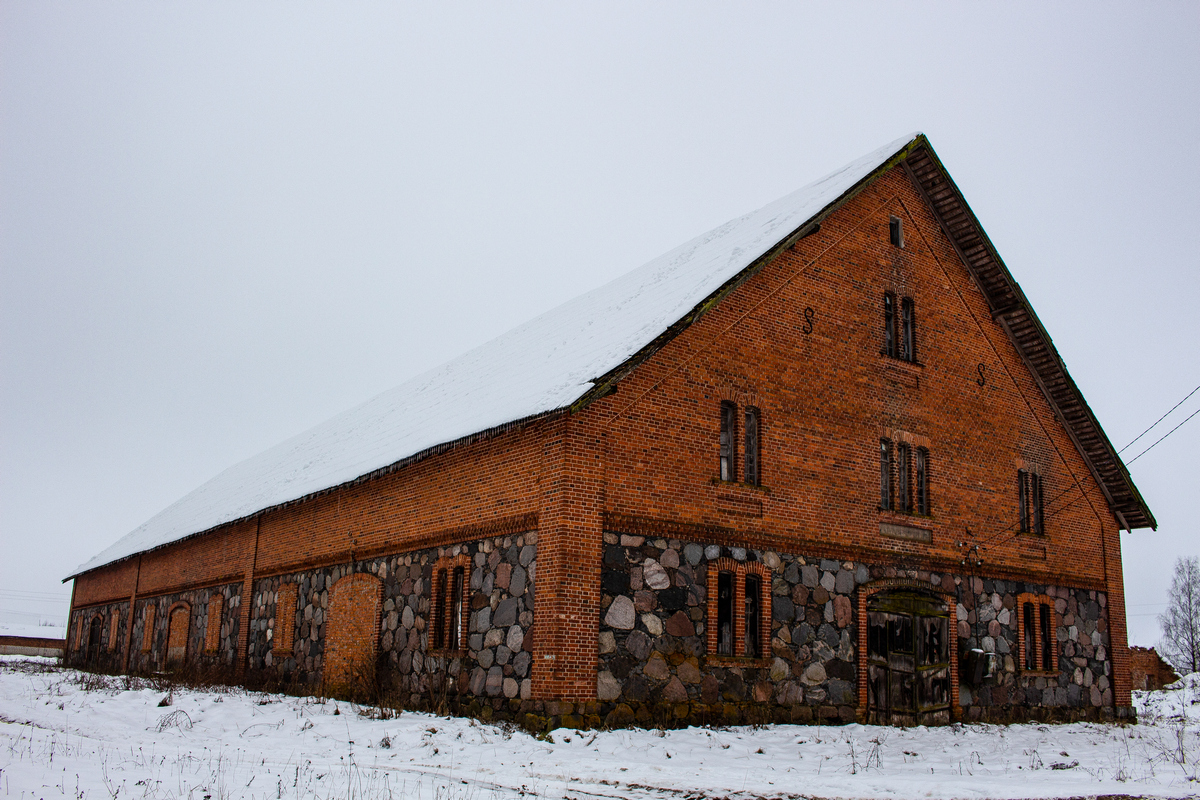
[543,365]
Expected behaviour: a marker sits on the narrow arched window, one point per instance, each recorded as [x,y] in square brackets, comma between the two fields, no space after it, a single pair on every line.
[923,481]
[1023,499]
[885,474]
[753,463]
[725,613]
[1047,637]
[908,317]
[753,616]
[1030,640]
[903,492]
[1036,492]
[889,324]
[439,611]
[728,440]
[454,610]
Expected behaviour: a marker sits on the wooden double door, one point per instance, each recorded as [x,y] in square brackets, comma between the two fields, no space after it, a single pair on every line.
[908,659]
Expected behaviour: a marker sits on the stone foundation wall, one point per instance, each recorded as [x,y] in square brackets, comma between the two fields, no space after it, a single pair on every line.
[653,649]
[653,625]
[495,662]
[110,658]
[197,658]
[987,618]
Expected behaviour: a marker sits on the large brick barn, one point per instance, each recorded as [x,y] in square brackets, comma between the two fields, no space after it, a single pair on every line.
[821,463]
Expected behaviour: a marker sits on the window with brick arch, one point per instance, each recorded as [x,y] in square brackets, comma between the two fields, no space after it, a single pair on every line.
[739,609]
[753,616]
[1037,620]
[908,338]
[728,441]
[885,474]
[1030,508]
[448,603]
[889,324]
[903,475]
[922,483]
[725,581]
[752,422]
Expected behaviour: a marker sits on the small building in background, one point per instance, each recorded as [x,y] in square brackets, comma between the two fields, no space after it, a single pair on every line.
[32,640]
[1148,670]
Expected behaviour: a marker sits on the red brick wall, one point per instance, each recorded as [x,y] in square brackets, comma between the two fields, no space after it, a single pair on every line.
[828,396]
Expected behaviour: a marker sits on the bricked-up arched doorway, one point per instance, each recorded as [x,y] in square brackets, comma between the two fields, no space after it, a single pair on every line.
[351,631]
[908,658]
[178,625]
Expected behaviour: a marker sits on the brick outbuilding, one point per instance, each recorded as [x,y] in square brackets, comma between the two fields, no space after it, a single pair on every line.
[821,463]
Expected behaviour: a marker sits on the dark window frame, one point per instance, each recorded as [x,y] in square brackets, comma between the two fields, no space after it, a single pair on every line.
[896,232]
[752,614]
[923,506]
[886,497]
[889,324]
[1031,490]
[1038,487]
[1046,629]
[752,469]
[1029,638]
[728,442]
[726,581]
[903,478]
[908,338]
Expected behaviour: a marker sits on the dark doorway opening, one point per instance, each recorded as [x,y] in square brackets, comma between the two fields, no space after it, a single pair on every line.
[93,646]
[908,659]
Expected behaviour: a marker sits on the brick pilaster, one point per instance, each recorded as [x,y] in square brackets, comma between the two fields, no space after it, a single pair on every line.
[570,538]
[246,602]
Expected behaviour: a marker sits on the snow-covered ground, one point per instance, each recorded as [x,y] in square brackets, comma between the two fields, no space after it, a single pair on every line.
[65,733]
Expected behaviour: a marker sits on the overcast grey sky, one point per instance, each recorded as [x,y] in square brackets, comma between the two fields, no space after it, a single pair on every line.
[222,223]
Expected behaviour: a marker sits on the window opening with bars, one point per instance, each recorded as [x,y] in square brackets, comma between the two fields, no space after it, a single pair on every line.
[1030,493]
[739,610]
[751,443]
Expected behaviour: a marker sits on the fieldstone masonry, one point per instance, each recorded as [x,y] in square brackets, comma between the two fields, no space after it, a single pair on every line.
[111,658]
[654,667]
[499,631]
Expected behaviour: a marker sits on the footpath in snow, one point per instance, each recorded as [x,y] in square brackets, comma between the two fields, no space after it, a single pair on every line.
[64,733]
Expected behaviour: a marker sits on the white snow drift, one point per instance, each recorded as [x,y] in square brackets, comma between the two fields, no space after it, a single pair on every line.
[64,732]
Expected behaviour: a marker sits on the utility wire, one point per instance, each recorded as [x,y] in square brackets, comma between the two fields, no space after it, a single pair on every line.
[1014,529]
[1160,419]
[1165,435]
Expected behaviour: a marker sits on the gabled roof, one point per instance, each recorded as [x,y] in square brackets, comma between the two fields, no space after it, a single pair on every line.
[572,353]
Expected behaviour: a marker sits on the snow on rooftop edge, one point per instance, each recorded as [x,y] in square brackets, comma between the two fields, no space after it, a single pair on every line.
[540,366]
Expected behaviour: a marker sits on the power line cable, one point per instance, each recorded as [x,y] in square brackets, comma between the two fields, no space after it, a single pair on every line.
[1160,419]
[1016,526]
[1165,435]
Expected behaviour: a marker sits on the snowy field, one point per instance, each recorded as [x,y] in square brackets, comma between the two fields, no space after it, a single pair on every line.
[69,734]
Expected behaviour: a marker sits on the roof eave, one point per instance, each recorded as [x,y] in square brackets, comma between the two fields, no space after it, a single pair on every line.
[1008,304]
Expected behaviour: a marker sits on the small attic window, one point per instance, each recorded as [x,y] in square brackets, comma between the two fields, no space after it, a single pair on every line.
[896,232]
